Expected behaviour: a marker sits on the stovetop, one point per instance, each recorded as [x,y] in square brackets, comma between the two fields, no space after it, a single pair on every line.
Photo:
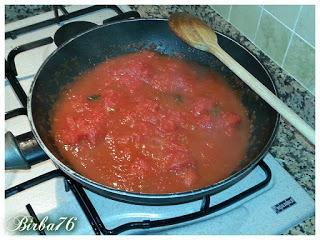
[274,203]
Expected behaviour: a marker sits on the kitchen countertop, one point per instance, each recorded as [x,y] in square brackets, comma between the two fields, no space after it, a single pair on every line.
[290,148]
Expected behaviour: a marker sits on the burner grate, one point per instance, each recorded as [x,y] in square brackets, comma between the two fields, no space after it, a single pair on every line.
[96,222]
[57,19]
[205,209]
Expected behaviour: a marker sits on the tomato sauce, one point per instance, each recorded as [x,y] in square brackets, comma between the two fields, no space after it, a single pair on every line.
[150,123]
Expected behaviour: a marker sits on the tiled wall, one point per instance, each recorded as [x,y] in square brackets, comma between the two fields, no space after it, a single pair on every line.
[285,33]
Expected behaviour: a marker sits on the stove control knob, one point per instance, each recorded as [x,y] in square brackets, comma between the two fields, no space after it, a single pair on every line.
[13,156]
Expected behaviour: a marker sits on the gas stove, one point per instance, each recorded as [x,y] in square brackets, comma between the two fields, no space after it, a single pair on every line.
[269,199]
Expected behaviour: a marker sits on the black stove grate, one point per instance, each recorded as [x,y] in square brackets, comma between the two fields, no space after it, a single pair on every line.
[205,209]
[59,18]
[78,191]
[96,222]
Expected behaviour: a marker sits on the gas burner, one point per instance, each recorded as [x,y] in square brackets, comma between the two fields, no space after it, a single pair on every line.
[70,30]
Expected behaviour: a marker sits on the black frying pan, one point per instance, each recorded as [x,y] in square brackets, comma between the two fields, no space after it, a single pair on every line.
[103,42]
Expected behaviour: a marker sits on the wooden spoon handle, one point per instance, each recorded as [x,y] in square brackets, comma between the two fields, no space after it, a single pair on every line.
[264,93]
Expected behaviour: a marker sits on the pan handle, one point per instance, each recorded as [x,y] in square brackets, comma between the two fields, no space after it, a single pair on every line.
[23,151]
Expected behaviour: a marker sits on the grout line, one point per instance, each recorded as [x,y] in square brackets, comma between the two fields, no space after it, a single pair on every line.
[297,20]
[229,13]
[291,37]
[289,27]
[280,20]
[305,41]
[293,32]
[258,25]
[287,49]
[287,72]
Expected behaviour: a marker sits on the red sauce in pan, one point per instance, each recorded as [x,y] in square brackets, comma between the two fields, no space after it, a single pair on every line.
[149,123]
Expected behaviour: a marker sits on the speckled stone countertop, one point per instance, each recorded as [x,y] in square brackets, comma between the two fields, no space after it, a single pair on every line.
[290,148]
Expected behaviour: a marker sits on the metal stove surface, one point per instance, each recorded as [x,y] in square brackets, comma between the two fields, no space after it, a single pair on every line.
[272,210]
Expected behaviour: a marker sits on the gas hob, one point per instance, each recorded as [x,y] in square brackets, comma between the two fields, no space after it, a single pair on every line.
[269,199]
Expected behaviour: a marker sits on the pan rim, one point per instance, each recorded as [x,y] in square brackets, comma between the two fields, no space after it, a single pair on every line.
[145,197]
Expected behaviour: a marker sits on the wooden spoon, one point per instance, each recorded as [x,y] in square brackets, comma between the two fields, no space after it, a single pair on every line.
[199,35]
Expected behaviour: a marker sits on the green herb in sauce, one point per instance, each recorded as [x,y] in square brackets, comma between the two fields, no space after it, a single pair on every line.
[216,110]
[178,98]
[94,97]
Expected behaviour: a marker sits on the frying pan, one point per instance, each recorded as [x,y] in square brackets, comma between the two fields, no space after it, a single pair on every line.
[96,45]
